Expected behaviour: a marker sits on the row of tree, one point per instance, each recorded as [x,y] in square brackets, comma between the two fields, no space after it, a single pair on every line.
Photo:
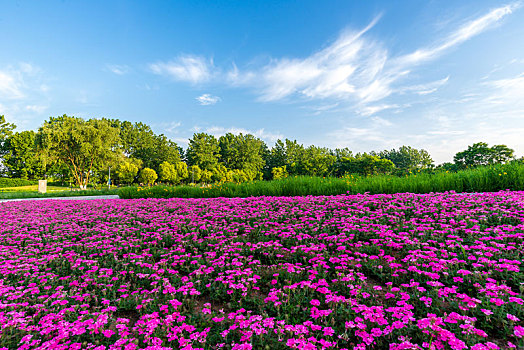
[72,149]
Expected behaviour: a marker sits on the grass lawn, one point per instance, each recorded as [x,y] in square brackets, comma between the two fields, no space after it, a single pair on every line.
[33,188]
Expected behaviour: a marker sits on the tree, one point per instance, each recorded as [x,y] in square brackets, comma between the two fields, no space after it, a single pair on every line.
[167,172]
[6,129]
[295,153]
[203,150]
[148,176]
[279,172]
[242,152]
[127,172]
[83,146]
[219,173]
[181,171]
[318,161]
[139,141]
[365,164]
[173,173]
[194,173]
[21,159]
[407,159]
[480,154]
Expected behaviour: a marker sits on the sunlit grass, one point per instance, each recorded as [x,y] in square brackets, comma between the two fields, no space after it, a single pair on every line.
[33,188]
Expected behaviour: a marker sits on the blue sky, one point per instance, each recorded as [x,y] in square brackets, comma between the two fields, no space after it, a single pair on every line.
[368,75]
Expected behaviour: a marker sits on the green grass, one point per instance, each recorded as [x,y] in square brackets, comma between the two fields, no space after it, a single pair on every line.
[33,188]
[485,179]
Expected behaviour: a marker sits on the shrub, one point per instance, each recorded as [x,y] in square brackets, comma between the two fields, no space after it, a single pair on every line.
[148,176]
[7,182]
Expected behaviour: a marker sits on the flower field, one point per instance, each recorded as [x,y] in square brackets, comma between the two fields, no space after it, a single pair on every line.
[402,271]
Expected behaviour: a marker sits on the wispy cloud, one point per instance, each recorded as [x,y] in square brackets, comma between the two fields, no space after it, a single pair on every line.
[506,91]
[358,70]
[427,88]
[465,32]
[36,108]
[188,68]
[118,69]
[11,84]
[207,99]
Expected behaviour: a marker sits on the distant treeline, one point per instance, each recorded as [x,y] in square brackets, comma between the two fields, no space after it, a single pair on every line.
[72,149]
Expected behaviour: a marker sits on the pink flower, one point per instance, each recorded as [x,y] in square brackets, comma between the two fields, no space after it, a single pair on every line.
[315,302]
[108,333]
[518,331]
[513,318]
[487,312]
[328,331]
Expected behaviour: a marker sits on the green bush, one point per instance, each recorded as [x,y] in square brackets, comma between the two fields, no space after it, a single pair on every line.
[7,182]
[148,176]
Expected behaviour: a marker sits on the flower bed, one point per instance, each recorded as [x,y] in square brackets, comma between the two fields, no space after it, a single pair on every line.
[400,271]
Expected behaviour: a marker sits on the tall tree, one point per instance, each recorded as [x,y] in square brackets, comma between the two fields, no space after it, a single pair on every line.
[21,158]
[242,152]
[318,161]
[6,129]
[203,150]
[140,142]
[295,153]
[82,146]
[407,158]
[480,154]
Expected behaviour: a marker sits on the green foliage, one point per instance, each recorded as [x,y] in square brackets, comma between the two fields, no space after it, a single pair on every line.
[408,159]
[365,164]
[21,158]
[6,129]
[481,154]
[173,173]
[207,176]
[11,182]
[140,142]
[181,171]
[203,150]
[147,176]
[242,152]
[167,173]
[195,173]
[219,173]
[279,172]
[83,146]
[318,161]
[127,172]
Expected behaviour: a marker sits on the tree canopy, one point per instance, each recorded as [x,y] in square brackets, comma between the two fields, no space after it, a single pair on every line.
[480,154]
[81,145]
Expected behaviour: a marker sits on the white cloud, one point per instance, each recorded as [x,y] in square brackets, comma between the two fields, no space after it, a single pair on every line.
[509,91]
[118,69]
[11,84]
[356,69]
[207,99]
[368,110]
[427,88]
[192,69]
[462,34]
[35,108]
